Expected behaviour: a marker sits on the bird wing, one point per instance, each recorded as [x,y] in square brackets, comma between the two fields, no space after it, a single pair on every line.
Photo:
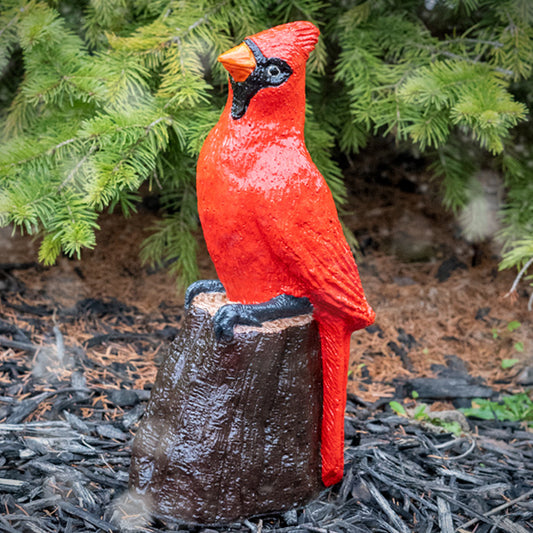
[306,236]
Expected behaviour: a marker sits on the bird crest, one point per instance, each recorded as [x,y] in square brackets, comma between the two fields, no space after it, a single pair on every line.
[286,39]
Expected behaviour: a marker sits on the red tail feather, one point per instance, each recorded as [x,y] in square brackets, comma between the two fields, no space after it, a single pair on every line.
[335,342]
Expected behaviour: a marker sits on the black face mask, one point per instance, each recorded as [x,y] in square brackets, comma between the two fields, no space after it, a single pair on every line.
[269,72]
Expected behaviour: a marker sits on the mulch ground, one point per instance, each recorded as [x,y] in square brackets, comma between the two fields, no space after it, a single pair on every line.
[80,344]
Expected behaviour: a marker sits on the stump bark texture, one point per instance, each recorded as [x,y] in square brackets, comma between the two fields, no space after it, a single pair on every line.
[232,429]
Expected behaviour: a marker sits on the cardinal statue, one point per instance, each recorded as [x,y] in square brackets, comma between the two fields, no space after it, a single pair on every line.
[269,219]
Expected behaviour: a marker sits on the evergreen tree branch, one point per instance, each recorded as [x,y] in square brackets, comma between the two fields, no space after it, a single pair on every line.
[436,51]
[9,24]
[73,172]
[126,155]
[471,40]
[519,277]
[201,20]
[53,150]
[83,130]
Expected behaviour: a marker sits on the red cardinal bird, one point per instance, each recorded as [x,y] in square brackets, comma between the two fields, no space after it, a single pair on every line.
[269,219]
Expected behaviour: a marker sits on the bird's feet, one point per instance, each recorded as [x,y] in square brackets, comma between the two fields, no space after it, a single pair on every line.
[282,306]
[203,285]
[231,315]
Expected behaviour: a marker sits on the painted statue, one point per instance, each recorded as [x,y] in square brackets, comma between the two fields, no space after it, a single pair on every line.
[269,219]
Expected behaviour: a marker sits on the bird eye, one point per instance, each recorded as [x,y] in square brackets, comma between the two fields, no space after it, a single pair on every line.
[273,71]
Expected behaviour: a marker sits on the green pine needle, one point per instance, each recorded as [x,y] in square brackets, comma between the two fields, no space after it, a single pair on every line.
[103,97]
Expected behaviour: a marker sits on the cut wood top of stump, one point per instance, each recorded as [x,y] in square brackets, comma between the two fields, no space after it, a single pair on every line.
[213,301]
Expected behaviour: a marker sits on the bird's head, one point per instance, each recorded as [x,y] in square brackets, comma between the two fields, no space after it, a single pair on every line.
[267,70]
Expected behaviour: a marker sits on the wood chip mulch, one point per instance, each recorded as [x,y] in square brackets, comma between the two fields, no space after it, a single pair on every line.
[70,474]
[69,410]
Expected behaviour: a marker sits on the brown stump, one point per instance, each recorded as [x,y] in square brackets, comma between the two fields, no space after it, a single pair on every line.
[232,429]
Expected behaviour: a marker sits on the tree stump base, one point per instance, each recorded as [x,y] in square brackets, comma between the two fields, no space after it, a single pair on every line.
[232,429]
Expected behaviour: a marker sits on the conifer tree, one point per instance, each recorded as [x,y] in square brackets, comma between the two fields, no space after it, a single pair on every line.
[97,98]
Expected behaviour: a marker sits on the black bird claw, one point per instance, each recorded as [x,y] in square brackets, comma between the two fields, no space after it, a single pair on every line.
[231,315]
[203,285]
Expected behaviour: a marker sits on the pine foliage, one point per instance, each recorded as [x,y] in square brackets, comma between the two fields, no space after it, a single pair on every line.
[101,97]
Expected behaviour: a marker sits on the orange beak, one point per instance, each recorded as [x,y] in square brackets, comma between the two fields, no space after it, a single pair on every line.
[239,62]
